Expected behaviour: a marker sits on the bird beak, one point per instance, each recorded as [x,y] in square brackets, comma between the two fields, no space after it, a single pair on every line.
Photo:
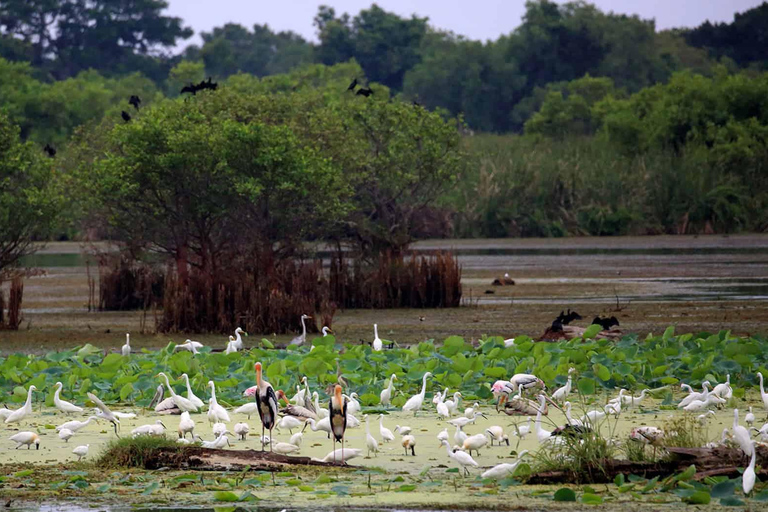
[163,424]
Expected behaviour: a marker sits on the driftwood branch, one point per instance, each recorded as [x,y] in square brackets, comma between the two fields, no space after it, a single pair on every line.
[208,459]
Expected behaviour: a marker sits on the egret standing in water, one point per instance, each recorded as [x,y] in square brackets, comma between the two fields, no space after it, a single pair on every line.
[126,349]
[23,411]
[184,404]
[377,343]
[386,393]
[415,402]
[63,405]
[267,402]
[338,416]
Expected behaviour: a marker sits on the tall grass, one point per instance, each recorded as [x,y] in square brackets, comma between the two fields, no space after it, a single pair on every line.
[533,186]
[134,452]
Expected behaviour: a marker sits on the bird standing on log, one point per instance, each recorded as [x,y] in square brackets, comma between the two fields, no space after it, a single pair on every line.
[338,412]
[267,402]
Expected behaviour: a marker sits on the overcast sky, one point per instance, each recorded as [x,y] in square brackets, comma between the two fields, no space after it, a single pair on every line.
[475,19]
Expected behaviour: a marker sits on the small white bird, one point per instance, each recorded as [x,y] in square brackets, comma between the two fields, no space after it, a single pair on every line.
[248,409]
[741,435]
[26,438]
[297,438]
[241,430]
[370,441]
[231,346]
[377,343]
[541,434]
[463,459]
[321,412]
[415,402]
[386,434]
[216,413]
[186,425]
[409,443]
[403,431]
[190,346]
[385,396]
[323,425]
[453,405]
[220,442]
[219,428]
[352,422]
[748,478]
[763,394]
[442,436]
[459,436]
[523,430]
[503,470]
[749,419]
[724,389]
[284,448]
[632,401]
[704,417]
[353,406]
[342,455]
[326,331]
[289,423]
[23,411]
[76,425]
[463,421]
[563,392]
[156,429]
[442,409]
[65,434]
[63,405]
[695,396]
[126,349]
[81,451]
[238,339]
[469,411]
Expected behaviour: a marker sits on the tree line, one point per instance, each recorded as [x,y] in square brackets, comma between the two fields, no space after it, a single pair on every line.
[496,85]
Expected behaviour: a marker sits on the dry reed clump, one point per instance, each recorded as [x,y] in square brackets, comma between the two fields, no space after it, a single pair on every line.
[15,298]
[126,285]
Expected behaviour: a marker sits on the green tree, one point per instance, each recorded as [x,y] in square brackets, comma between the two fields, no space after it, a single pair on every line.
[68,36]
[232,48]
[29,202]
[385,45]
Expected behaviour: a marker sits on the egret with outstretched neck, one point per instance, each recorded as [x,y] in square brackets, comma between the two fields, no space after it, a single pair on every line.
[386,394]
[216,413]
[190,395]
[184,404]
[377,343]
[126,349]
[63,405]
[415,402]
[23,411]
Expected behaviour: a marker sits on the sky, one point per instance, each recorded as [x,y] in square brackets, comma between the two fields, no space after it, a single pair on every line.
[475,19]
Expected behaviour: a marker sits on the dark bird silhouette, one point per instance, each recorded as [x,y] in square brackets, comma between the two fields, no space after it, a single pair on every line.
[337,408]
[266,401]
[135,101]
[352,85]
[567,318]
[606,323]
[571,431]
[191,88]
[557,326]
[126,116]
[50,150]
[364,91]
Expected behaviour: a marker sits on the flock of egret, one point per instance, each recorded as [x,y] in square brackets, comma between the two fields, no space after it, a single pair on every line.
[524,393]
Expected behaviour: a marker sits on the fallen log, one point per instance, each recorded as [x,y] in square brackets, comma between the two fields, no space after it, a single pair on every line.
[210,459]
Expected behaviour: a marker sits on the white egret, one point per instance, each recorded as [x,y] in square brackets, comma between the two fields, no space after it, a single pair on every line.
[248,409]
[189,346]
[741,435]
[463,459]
[23,411]
[509,342]
[571,419]
[631,401]
[748,478]
[463,421]
[156,429]
[183,404]
[218,428]
[321,412]
[297,438]
[763,394]
[443,435]
[453,405]
[749,419]
[440,397]
[409,443]
[26,438]
[384,432]
[241,430]
[724,390]
[459,436]
[504,470]
[81,451]
[231,346]
[301,338]
[326,331]
[541,434]
[414,403]
[352,421]
[126,349]
[216,413]
[377,343]
[386,394]
[289,423]
[695,396]
[76,425]
[186,425]
[469,411]
[63,405]
[106,413]
[65,434]
[704,417]
[218,443]
[442,409]
[592,417]
[323,425]
[497,434]
[190,395]
[563,392]
[353,406]
[238,339]
[370,441]
[523,430]
[284,448]
[341,455]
